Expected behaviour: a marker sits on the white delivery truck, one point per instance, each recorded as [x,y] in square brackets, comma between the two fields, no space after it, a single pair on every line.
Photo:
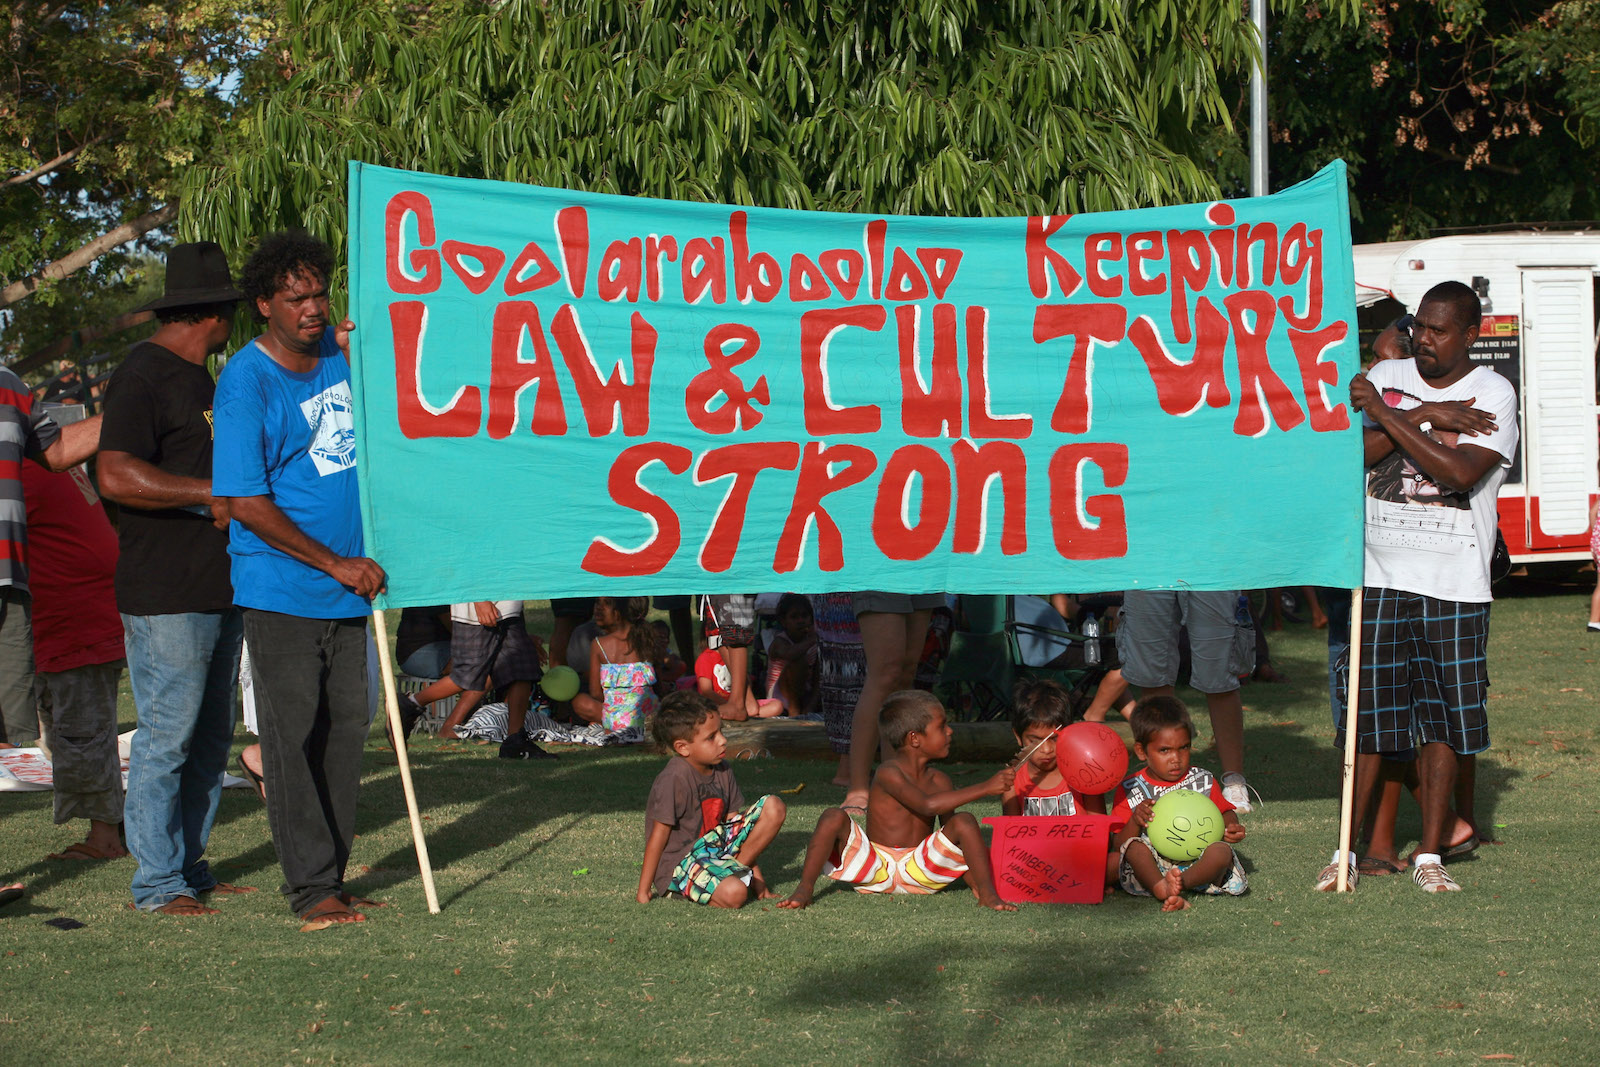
[1540,291]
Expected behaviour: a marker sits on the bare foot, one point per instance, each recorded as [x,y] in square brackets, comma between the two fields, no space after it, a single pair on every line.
[1170,891]
[993,902]
[448,733]
[1267,673]
[800,898]
[185,906]
[759,890]
[13,892]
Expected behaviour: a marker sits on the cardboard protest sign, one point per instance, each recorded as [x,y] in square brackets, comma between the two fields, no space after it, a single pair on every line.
[1050,859]
[563,393]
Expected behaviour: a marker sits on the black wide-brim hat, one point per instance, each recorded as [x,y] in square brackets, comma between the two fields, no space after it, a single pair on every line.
[196,274]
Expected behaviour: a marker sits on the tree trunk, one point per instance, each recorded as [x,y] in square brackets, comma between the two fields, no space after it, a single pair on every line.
[82,257]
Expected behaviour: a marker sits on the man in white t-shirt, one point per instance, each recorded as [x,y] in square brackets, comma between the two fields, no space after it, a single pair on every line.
[1439,435]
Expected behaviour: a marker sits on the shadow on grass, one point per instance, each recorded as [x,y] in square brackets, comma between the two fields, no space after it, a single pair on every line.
[518,858]
[935,1015]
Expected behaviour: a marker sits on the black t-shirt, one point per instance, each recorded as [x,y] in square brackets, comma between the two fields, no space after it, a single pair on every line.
[158,409]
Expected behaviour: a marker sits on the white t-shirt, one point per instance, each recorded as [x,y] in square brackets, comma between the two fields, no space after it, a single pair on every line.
[1421,537]
[468,613]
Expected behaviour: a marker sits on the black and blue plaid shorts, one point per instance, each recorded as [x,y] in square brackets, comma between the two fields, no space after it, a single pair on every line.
[1424,674]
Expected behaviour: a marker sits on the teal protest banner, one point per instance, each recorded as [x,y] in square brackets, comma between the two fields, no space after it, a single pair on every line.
[563,393]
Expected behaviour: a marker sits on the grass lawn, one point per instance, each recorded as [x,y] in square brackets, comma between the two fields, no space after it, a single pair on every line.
[541,954]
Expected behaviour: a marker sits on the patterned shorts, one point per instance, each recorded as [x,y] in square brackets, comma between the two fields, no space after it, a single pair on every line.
[1424,674]
[872,868]
[1235,885]
[711,857]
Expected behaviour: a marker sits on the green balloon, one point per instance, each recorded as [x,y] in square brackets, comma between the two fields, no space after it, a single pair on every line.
[1183,824]
[560,683]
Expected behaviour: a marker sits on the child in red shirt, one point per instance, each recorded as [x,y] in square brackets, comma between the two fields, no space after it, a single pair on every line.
[1039,711]
[1163,734]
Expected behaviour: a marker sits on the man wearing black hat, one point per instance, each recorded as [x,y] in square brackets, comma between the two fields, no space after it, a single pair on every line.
[182,631]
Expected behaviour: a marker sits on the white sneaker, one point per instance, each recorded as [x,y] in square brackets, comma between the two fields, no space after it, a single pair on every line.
[1433,878]
[1328,877]
[1236,791]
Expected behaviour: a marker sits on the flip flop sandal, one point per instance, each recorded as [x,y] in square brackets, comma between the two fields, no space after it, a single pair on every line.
[12,893]
[330,911]
[83,852]
[1465,848]
[1374,867]
[253,778]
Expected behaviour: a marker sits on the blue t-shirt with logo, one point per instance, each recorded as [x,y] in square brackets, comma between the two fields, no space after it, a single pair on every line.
[291,437]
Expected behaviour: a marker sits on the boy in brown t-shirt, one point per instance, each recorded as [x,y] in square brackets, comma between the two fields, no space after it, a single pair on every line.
[701,842]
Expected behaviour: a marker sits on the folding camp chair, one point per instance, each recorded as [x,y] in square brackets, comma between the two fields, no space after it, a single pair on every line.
[977,677]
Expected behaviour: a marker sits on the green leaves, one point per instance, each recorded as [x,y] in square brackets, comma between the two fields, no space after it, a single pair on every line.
[954,107]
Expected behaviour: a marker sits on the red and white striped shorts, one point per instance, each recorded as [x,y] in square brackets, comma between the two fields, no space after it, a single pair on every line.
[924,868]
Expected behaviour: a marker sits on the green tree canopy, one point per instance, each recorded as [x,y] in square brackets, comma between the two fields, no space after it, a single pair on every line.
[952,107]
[1451,113]
[102,108]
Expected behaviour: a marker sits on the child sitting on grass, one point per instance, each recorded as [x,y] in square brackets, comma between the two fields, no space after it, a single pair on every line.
[900,851]
[1040,709]
[701,842]
[622,673]
[714,680]
[1163,734]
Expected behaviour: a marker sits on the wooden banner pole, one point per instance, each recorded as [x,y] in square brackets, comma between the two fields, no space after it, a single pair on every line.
[391,703]
[1352,703]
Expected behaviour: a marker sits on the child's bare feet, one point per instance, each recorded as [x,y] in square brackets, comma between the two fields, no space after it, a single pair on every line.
[759,890]
[1170,891]
[800,898]
[992,901]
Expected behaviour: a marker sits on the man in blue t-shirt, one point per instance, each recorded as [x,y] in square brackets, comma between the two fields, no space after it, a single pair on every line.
[285,456]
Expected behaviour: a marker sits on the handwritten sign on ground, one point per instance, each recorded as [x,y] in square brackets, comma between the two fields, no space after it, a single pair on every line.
[1050,859]
[563,393]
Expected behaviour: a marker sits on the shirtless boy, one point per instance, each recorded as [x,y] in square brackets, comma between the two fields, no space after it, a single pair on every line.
[900,851]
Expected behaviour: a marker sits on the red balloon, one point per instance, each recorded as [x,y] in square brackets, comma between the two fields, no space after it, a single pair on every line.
[1091,757]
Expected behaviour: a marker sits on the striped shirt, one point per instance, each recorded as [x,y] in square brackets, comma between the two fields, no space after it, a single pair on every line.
[22,434]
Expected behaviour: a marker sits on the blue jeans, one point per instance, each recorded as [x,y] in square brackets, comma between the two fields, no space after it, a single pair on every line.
[182,669]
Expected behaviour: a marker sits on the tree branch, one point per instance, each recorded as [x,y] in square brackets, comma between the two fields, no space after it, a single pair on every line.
[45,168]
[87,254]
[63,345]
[1498,168]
